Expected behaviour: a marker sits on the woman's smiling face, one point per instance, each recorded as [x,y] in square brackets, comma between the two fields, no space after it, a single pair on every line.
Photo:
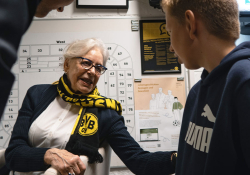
[81,80]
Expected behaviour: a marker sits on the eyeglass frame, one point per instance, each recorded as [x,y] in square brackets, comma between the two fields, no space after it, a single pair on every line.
[98,65]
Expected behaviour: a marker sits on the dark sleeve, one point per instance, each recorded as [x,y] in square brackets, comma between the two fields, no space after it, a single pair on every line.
[19,155]
[243,122]
[15,18]
[4,170]
[140,162]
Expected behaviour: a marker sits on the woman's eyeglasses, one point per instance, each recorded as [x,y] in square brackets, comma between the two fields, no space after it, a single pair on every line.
[88,64]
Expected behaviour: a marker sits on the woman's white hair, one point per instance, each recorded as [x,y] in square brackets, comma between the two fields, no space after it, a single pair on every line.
[79,48]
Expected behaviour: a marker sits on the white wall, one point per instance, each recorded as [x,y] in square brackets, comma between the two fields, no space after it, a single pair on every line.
[242,39]
[137,8]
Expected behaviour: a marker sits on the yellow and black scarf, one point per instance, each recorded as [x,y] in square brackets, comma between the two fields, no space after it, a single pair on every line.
[84,139]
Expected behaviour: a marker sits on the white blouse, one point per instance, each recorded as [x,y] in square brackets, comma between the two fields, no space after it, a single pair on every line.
[53,127]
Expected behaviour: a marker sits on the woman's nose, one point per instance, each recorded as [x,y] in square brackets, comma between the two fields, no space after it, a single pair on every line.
[92,70]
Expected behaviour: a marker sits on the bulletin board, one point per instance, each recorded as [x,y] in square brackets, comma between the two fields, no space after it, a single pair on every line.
[40,61]
[155,54]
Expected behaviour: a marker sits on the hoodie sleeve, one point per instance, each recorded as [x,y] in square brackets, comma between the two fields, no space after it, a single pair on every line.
[15,18]
[242,123]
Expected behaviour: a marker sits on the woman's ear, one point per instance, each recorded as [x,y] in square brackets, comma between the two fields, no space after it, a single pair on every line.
[190,24]
[66,65]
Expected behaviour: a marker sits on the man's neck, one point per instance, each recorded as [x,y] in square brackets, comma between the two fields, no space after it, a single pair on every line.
[213,51]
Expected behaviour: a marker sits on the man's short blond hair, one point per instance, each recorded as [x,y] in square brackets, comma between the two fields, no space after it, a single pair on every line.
[221,17]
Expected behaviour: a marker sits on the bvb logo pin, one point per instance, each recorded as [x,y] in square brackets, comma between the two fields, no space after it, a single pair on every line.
[89,125]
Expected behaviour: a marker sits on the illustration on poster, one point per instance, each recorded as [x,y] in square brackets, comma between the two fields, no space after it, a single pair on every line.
[159,105]
[153,102]
[162,101]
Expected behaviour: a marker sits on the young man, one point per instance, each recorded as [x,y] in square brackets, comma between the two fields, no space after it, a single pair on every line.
[215,133]
[15,18]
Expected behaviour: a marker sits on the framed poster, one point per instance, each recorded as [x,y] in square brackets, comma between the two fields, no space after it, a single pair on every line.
[102,4]
[155,54]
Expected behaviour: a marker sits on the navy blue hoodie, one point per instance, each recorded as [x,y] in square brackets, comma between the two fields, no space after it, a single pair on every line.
[215,133]
[15,18]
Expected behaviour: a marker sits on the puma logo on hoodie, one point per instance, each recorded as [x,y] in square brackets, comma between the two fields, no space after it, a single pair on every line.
[208,113]
[198,136]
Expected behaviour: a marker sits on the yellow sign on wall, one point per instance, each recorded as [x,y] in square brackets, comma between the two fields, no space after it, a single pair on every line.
[154,31]
[155,43]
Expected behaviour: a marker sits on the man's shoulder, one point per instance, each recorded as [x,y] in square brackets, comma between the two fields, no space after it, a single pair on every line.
[240,70]
[242,64]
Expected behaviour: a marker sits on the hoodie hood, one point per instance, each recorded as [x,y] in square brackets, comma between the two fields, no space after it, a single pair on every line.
[240,52]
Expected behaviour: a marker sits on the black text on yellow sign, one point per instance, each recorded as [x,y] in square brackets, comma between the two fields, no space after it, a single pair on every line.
[89,125]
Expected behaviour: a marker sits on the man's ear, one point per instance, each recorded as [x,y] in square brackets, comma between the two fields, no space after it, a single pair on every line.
[66,65]
[191,24]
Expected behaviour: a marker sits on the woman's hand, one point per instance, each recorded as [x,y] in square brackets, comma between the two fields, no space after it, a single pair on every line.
[64,162]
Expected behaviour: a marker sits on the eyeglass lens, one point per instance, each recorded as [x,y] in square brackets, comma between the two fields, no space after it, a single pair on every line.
[86,64]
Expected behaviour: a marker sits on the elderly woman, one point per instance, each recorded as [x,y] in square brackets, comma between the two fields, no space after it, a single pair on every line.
[58,122]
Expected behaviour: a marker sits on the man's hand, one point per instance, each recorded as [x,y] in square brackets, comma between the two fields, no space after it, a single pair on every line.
[64,162]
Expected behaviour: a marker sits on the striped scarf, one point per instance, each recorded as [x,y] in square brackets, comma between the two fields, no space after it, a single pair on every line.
[84,139]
